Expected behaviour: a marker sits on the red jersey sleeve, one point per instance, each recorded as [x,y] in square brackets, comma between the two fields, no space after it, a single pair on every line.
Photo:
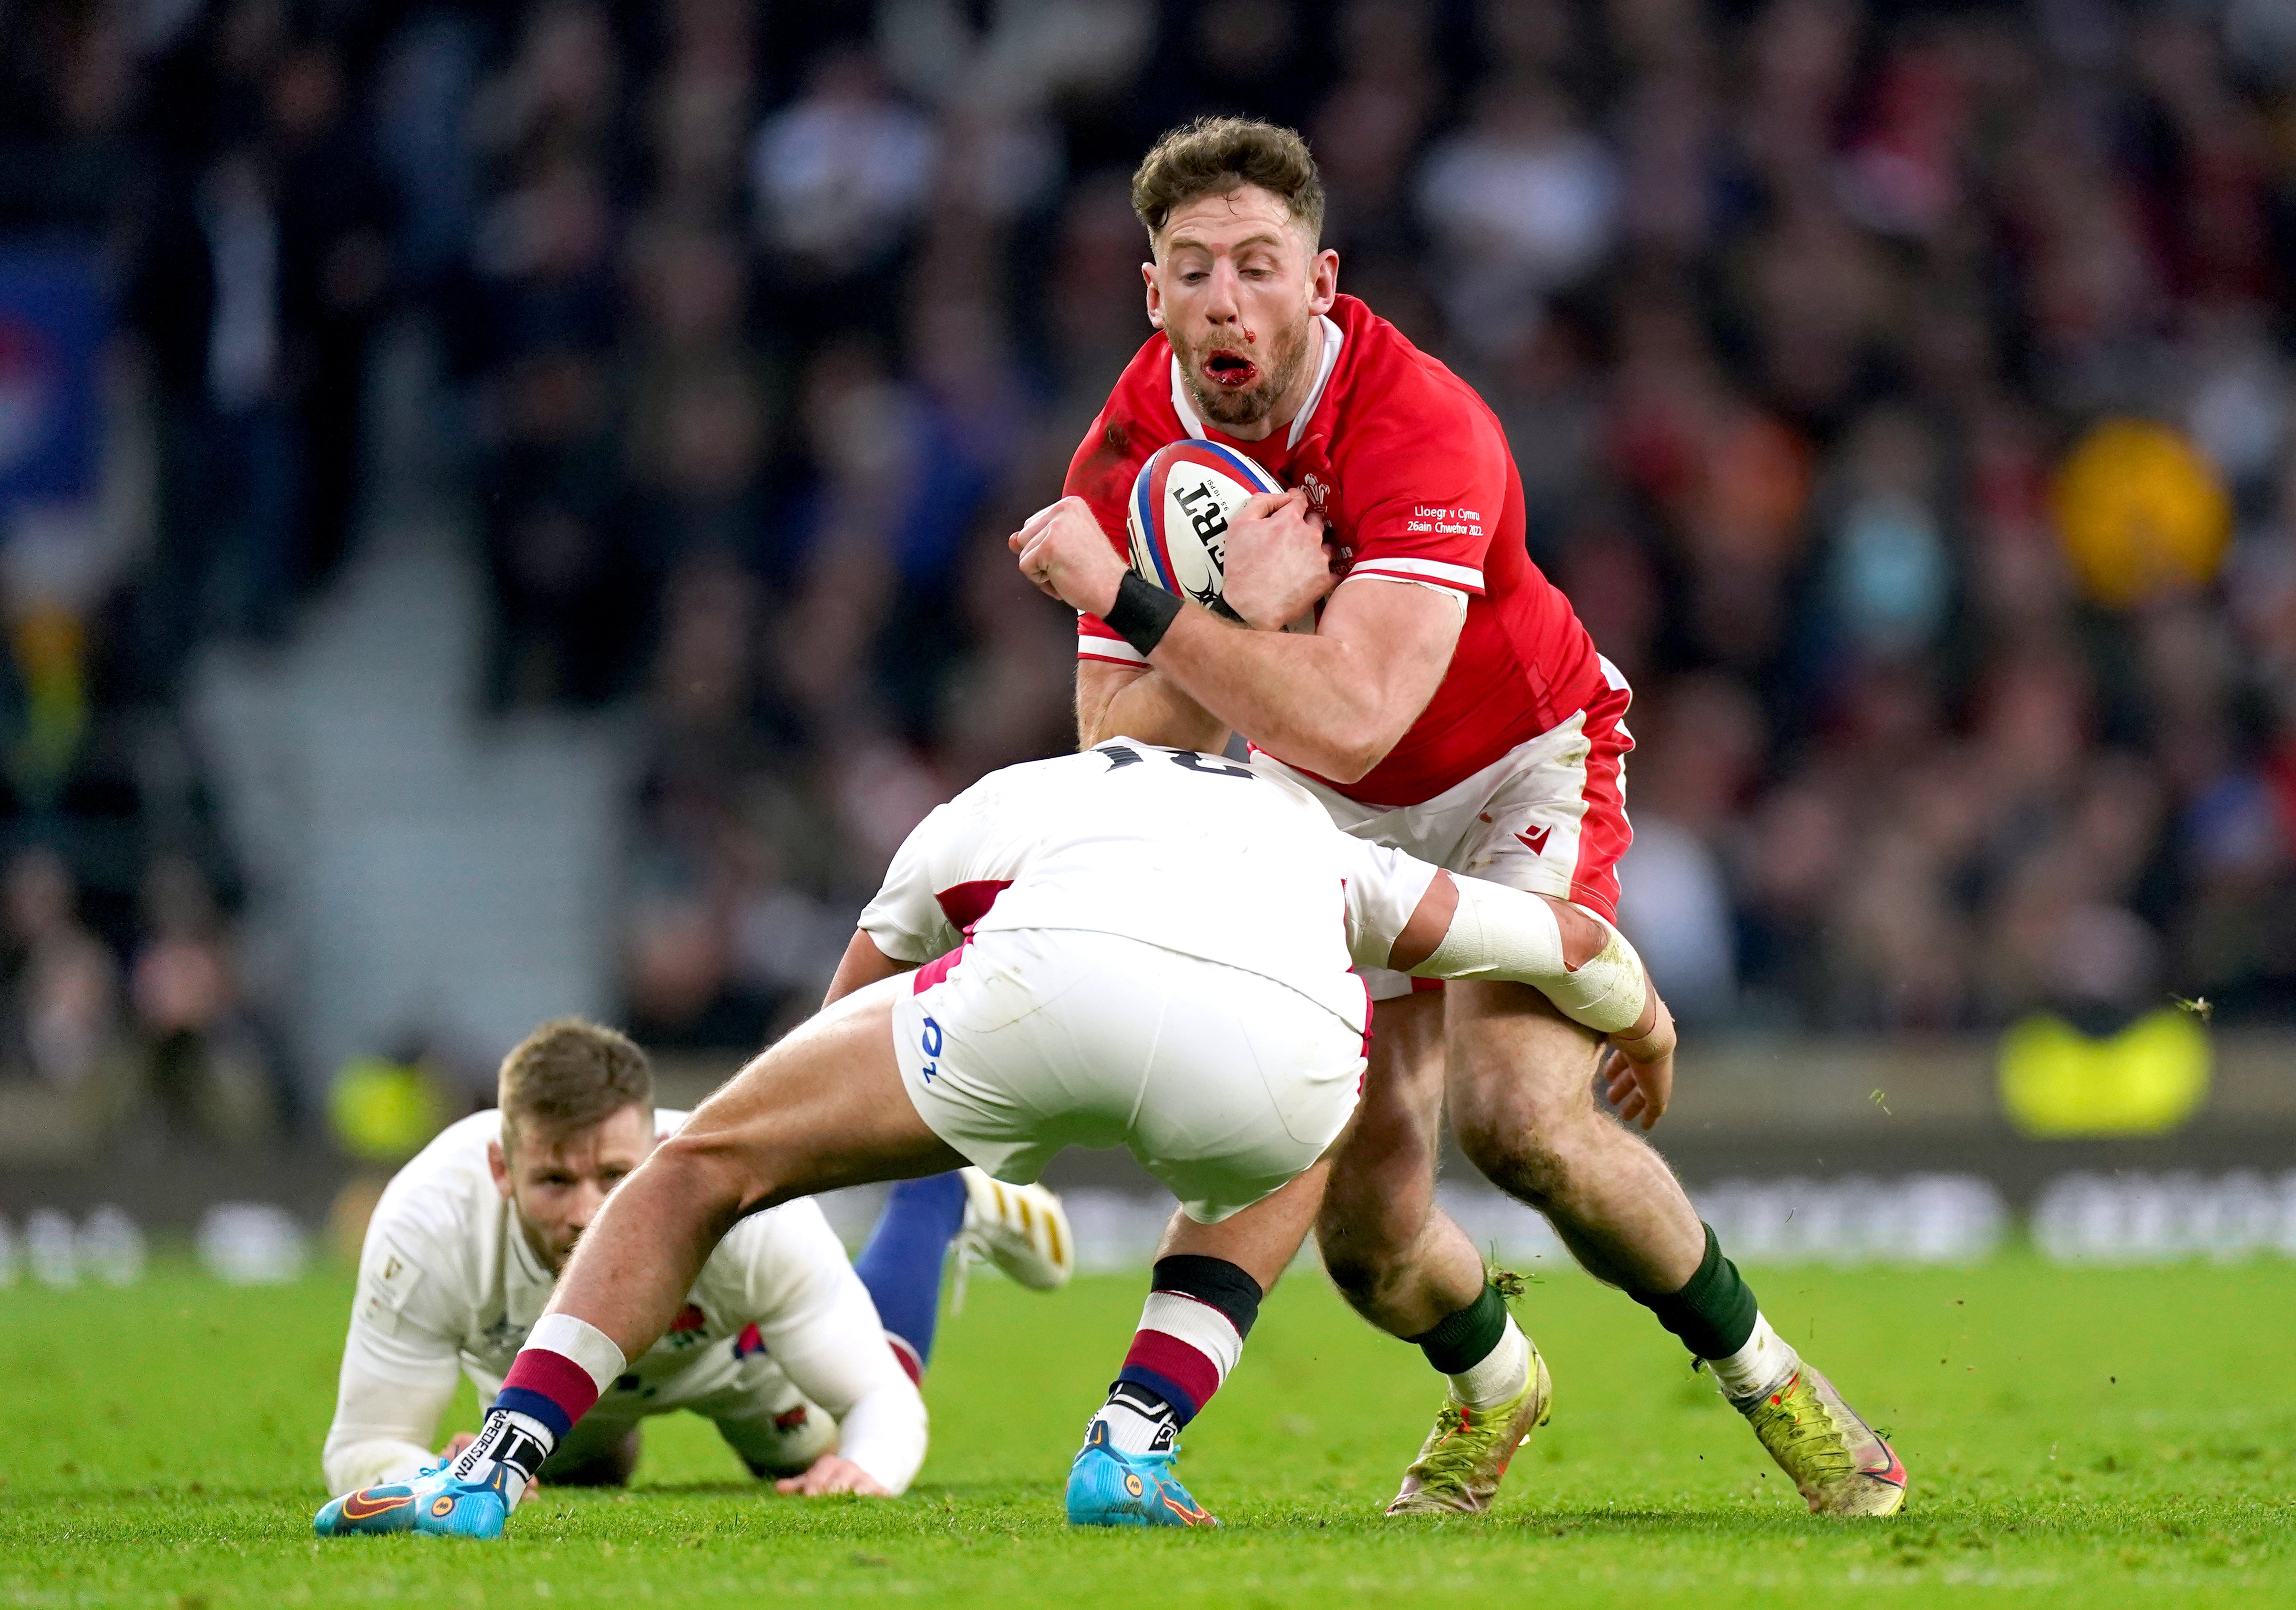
[1424,498]
[1136,421]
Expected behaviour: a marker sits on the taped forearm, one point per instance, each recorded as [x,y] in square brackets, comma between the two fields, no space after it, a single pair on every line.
[1503,934]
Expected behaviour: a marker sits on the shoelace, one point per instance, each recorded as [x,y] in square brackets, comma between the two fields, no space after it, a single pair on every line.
[1831,1455]
[1453,1460]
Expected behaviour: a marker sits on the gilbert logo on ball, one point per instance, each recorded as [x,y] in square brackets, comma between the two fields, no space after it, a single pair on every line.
[1186,493]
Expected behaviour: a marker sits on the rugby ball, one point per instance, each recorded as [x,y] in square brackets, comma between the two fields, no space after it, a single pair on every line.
[1185,495]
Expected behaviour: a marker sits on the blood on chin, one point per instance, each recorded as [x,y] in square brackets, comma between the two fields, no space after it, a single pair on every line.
[1223,405]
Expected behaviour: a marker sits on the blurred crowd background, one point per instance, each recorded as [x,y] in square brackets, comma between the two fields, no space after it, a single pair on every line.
[1902,392]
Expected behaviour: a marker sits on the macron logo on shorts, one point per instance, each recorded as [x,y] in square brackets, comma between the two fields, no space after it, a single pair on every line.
[1535,838]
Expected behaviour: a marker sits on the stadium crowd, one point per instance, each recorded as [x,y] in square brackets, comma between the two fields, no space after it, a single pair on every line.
[770,322]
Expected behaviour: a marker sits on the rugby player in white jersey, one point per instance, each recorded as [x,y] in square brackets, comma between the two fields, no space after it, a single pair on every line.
[779,1343]
[1133,946]
[1448,703]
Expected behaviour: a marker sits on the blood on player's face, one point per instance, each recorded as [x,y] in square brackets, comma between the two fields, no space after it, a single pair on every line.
[556,1180]
[1235,286]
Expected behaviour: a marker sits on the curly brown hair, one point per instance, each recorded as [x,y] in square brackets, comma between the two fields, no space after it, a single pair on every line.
[1213,156]
[570,1073]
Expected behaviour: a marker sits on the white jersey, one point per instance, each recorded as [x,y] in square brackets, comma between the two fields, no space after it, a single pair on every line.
[1189,852]
[447,1282]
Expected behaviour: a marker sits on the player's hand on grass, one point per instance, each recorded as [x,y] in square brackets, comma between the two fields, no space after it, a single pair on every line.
[1063,551]
[1278,563]
[830,1474]
[1638,1070]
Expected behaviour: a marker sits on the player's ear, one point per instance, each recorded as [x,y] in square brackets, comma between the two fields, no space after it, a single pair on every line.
[1156,295]
[499,1165]
[1322,281]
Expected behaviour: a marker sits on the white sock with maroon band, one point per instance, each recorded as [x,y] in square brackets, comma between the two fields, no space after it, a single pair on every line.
[557,1375]
[1191,1331]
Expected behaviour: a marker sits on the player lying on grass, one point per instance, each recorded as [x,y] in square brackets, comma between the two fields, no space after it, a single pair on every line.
[1134,946]
[781,1342]
[1449,703]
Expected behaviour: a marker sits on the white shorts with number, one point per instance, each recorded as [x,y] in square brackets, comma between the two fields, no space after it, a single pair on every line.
[1224,1084]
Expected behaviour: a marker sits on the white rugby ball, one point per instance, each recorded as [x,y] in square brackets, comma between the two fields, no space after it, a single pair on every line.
[1185,495]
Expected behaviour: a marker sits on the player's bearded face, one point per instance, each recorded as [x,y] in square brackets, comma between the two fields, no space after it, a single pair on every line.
[1235,286]
[557,1180]
[1267,359]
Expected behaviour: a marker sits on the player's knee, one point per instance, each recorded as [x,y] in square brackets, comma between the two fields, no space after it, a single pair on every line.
[1525,1162]
[1365,1254]
[706,1172]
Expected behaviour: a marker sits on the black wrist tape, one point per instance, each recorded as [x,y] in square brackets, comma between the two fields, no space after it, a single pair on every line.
[1143,612]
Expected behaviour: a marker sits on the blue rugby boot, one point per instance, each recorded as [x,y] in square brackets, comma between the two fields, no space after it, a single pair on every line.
[434,1501]
[1107,1488]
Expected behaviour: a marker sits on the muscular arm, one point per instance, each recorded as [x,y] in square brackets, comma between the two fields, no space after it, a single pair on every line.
[1335,702]
[835,1353]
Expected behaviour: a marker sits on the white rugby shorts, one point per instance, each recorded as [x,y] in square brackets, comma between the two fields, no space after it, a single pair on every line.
[1224,1084]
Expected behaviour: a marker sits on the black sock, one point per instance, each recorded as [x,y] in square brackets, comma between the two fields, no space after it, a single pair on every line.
[1459,1342]
[1713,1315]
[1214,1282]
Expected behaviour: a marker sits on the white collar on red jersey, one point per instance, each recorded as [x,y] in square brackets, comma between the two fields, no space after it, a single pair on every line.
[1325,365]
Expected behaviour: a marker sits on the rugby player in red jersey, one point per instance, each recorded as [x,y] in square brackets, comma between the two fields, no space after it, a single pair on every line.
[1448,703]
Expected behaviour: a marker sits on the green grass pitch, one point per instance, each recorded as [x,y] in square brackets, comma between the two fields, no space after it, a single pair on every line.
[2076,1438]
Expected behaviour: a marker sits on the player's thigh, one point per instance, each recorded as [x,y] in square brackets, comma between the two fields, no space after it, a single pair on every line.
[1382,1178]
[821,1109]
[1520,1075]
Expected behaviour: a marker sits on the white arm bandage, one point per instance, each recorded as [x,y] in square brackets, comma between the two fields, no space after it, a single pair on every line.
[1503,934]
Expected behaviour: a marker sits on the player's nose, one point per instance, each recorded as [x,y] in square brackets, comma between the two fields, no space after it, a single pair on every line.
[586,1203]
[1222,303]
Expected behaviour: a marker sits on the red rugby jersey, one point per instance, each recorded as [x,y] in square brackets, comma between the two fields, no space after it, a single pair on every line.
[1411,470]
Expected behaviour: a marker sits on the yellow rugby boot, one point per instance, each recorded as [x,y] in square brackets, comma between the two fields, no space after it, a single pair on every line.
[1022,1229]
[1461,1464]
[1840,1464]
